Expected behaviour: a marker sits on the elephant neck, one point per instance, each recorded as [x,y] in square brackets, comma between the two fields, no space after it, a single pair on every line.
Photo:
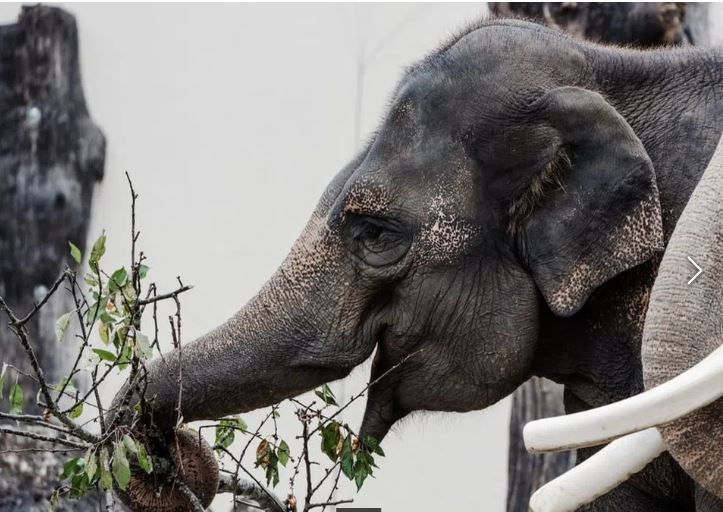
[673,100]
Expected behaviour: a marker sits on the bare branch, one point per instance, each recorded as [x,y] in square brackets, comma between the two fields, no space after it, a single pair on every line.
[165,296]
[192,498]
[40,437]
[62,277]
[251,490]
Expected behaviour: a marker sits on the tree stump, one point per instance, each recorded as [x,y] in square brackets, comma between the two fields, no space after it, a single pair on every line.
[51,155]
[537,398]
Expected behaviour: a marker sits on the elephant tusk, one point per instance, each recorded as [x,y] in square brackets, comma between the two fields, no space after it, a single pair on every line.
[599,474]
[691,390]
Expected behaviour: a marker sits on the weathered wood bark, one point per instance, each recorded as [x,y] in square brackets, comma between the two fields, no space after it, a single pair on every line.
[536,398]
[634,24]
[51,155]
[637,24]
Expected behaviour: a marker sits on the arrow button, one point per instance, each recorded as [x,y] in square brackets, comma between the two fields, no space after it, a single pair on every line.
[700,270]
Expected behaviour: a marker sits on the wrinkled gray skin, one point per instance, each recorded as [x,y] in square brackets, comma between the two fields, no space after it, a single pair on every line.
[670,348]
[450,238]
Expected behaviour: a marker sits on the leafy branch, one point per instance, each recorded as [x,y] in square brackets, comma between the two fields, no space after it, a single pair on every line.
[113,445]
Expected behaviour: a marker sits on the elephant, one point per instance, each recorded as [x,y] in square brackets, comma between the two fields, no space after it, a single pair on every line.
[506,219]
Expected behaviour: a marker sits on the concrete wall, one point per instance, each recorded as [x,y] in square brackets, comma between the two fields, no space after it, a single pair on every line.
[231,120]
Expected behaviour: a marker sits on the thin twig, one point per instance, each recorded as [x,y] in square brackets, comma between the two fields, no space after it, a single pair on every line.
[192,498]
[251,490]
[327,504]
[305,455]
[40,437]
[363,391]
[276,504]
[165,296]
[45,299]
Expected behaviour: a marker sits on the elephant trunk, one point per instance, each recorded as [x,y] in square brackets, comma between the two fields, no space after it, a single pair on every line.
[253,360]
[684,324]
[291,337]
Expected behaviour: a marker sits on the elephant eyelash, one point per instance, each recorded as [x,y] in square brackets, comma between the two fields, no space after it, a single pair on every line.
[549,180]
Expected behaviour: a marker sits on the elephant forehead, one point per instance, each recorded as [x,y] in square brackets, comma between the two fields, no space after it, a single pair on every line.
[421,184]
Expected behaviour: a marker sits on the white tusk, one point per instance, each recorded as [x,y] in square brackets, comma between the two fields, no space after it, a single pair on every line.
[691,390]
[599,474]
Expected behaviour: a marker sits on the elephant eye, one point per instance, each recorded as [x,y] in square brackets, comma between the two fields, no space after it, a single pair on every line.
[376,241]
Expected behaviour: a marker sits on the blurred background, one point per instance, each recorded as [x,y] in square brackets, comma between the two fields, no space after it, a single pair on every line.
[231,120]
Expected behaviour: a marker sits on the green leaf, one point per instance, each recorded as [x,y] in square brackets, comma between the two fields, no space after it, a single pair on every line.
[330,436]
[224,436]
[272,469]
[144,461]
[79,485]
[2,379]
[130,444]
[105,355]
[326,395]
[16,399]
[347,459]
[76,411]
[124,358]
[121,469]
[143,347]
[361,471]
[226,430]
[75,252]
[284,453]
[117,280]
[71,467]
[97,252]
[91,464]
[61,324]
[104,331]
[92,312]
[372,444]
[143,271]
[106,480]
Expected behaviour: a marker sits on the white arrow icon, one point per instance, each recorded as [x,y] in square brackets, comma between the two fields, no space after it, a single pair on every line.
[700,270]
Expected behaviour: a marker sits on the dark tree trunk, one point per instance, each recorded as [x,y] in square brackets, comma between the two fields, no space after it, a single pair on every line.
[641,25]
[51,155]
[537,398]
[631,24]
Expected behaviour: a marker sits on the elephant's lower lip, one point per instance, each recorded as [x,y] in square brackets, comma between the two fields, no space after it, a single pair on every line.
[381,410]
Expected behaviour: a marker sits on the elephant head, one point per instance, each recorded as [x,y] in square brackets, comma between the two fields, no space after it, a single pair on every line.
[492,188]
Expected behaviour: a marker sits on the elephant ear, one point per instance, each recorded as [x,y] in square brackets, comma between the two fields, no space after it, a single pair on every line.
[604,217]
